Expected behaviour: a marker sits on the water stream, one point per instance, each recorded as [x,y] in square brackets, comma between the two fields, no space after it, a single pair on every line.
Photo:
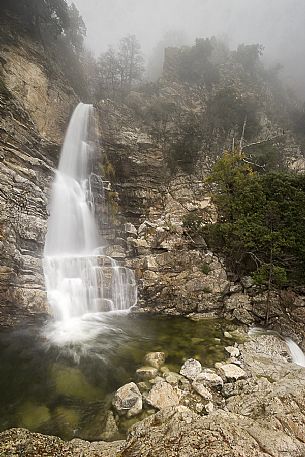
[81,281]
[297,355]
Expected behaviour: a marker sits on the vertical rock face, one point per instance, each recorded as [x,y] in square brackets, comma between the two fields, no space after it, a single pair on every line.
[35,106]
[175,274]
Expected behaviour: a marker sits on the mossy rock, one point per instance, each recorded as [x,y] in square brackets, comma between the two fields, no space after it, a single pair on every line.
[67,420]
[33,416]
[71,382]
[198,341]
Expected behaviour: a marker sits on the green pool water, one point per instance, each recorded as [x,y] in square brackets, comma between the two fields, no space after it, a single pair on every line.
[66,390]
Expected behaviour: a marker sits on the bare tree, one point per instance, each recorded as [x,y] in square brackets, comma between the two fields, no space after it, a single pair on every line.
[130,61]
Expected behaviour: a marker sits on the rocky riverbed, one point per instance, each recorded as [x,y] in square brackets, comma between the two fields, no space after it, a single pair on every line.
[250,405]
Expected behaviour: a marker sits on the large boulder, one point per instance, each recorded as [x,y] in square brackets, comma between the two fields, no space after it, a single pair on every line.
[128,400]
[19,442]
[155,359]
[231,372]
[145,373]
[191,369]
[162,395]
[210,378]
[177,431]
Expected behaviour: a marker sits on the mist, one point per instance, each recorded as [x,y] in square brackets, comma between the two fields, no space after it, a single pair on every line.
[276,24]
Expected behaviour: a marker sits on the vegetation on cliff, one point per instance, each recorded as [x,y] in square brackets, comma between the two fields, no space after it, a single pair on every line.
[56,26]
[260,227]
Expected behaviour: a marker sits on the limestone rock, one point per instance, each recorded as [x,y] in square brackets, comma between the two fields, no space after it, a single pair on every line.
[210,378]
[232,351]
[115,251]
[35,444]
[209,407]
[155,359]
[247,282]
[176,379]
[202,390]
[130,229]
[110,428]
[128,400]
[231,372]
[145,373]
[191,369]
[163,395]
[238,301]
[243,316]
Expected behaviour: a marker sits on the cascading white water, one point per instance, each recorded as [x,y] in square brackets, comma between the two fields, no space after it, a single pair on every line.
[79,278]
[296,352]
[297,355]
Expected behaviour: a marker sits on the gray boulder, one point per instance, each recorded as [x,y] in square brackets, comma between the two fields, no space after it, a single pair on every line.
[128,400]
[162,395]
[191,369]
[155,359]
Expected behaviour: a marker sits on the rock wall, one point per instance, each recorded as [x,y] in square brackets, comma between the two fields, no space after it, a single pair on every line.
[176,274]
[35,105]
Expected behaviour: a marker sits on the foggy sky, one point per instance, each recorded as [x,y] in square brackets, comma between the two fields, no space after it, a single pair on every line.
[277,24]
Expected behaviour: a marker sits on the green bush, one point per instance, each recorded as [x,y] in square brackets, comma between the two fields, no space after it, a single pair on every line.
[261,221]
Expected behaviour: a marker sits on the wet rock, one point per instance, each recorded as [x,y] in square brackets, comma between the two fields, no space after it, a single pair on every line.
[71,382]
[115,251]
[231,372]
[128,400]
[67,420]
[146,373]
[110,428]
[175,379]
[163,395]
[155,359]
[32,415]
[191,369]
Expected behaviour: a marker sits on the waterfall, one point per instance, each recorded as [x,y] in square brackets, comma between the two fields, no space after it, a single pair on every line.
[297,355]
[296,352]
[80,279]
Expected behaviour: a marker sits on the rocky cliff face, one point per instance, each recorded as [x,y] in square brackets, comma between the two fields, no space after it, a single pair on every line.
[147,145]
[35,104]
[176,274]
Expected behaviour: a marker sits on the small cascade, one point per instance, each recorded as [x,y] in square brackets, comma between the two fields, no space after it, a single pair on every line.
[298,356]
[80,279]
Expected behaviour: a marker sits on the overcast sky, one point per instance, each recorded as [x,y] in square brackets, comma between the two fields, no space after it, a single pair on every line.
[277,24]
